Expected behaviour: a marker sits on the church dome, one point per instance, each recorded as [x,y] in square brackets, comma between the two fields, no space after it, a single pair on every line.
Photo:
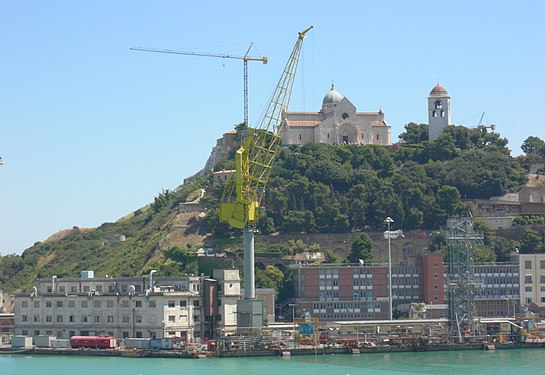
[438,90]
[332,96]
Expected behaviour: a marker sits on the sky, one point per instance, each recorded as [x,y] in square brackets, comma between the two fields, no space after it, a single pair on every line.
[91,131]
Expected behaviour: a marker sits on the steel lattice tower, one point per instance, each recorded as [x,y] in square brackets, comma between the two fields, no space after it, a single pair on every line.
[462,285]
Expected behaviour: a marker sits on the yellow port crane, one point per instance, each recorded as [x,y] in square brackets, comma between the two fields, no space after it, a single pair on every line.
[244,58]
[242,196]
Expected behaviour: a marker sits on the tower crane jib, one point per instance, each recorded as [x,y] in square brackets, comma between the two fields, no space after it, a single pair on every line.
[244,58]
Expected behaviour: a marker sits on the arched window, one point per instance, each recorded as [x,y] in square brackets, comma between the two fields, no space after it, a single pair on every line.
[442,113]
[438,104]
[434,113]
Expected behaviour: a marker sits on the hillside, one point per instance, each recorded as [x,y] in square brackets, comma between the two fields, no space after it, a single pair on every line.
[313,189]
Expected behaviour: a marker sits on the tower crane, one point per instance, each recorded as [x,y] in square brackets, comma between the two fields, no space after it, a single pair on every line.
[244,58]
[242,196]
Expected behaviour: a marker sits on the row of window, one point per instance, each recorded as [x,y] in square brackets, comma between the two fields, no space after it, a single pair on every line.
[99,304]
[87,319]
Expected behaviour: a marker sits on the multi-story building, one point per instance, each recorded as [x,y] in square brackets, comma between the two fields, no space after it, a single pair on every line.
[532,279]
[186,307]
[360,292]
[499,292]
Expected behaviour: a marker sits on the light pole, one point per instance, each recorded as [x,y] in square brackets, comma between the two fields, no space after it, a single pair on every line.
[388,221]
[293,305]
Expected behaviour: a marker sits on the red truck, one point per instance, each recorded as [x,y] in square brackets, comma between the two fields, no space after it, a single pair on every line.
[93,342]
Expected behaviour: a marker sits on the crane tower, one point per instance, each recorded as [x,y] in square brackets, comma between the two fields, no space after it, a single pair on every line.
[242,196]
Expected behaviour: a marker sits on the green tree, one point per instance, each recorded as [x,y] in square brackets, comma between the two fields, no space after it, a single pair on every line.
[533,145]
[362,248]
[331,257]
[414,133]
[531,242]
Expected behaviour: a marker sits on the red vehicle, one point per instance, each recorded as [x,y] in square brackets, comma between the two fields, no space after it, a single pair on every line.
[93,342]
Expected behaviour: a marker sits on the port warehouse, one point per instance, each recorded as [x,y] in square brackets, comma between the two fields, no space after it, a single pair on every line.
[194,308]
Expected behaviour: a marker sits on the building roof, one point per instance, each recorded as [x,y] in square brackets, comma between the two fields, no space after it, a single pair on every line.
[438,90]
[332,96]
[306,124]
[379,123]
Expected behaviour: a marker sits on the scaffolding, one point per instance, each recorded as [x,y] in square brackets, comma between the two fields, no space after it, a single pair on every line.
[462,284]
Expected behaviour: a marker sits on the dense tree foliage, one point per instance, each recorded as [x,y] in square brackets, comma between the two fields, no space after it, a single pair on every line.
[533,145]
[317,188]
[361,249]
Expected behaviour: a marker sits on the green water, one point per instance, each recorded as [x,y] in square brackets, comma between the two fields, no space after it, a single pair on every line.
[499,362]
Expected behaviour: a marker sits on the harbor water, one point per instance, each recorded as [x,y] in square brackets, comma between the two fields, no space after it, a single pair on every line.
[467,362]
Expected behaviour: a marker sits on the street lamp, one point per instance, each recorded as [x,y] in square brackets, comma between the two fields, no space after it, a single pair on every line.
[388,221]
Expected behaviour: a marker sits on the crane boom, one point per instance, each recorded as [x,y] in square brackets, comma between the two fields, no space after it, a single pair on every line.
[253,160]
[244,58]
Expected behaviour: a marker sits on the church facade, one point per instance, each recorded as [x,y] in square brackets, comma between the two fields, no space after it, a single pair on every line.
[337,123]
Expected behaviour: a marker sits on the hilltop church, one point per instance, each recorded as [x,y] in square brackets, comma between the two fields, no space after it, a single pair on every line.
[337,123]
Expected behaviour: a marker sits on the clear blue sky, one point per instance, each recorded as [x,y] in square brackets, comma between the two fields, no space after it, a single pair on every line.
[90,131]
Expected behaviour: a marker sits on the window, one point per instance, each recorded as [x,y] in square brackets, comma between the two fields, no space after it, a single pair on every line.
[62,289]
[72,318]
[434,264]
[73,289]
[97,304]
[196,303]
[138,334]
[59,318]
[58,304]
[37,304]
[24,318]
[110,318]
[84,304]
[138,303]
[171,318]
[528,264]
[528,279]
[86,289]
[36,318]
[125,319]
[72,304]
[97,319]
[110,304]
[438,104]
[125,303]
[196,318]
[138,318]
[48,318]
[435,276]
[171,303]
[84,319]
[48,304]
[528,289]
[542,264]
[183,303]
[24,304]
[434,113]
[151,304]
[219,302]
[99,288]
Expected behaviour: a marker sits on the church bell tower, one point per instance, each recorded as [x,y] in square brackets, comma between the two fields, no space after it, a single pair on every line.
[438,111]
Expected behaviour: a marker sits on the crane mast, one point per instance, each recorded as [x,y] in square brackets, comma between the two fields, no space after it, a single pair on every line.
[242,196]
